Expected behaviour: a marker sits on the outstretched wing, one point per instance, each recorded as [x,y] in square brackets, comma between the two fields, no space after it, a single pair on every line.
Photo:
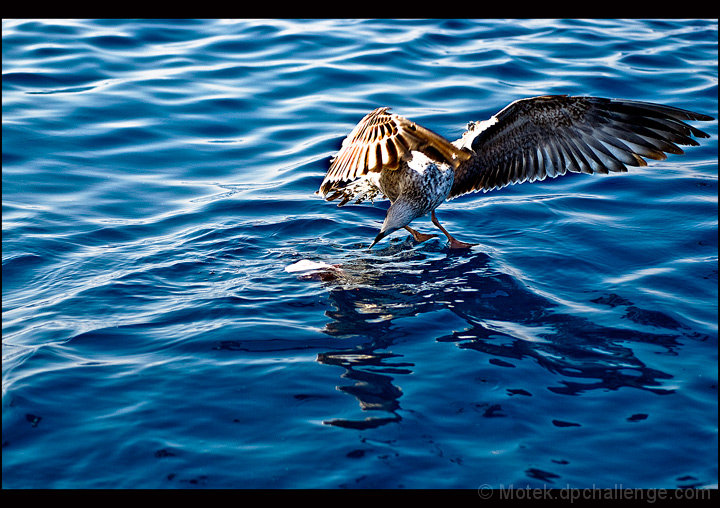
[383,140]
[546,136]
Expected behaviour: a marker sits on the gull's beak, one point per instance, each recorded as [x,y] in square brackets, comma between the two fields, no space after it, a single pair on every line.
[379,237]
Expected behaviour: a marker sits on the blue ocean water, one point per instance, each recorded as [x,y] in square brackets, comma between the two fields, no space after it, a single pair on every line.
[158,178]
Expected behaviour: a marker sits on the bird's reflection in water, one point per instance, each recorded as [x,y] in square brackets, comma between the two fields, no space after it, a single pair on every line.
[374,390]
[504,320]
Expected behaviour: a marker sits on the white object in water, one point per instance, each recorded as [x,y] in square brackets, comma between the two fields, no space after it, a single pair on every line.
[305,265]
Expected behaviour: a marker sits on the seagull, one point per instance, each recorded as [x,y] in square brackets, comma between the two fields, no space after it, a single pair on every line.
[529,140]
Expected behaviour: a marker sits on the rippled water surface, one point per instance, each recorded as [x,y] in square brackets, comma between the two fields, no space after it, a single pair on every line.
[158,178]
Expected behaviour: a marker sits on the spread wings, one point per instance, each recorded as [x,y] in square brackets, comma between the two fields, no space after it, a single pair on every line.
[382,140]
[546,136]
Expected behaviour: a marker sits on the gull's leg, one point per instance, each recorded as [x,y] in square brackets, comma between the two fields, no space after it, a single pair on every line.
[454,244]
[419,237]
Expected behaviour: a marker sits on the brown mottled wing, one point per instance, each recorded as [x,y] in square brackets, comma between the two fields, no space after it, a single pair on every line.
[382,140]
[540,137]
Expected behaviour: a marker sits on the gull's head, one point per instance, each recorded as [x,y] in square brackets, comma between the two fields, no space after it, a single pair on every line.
[400,214]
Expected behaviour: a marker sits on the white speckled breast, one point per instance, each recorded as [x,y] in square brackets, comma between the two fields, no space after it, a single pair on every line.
[422,181]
